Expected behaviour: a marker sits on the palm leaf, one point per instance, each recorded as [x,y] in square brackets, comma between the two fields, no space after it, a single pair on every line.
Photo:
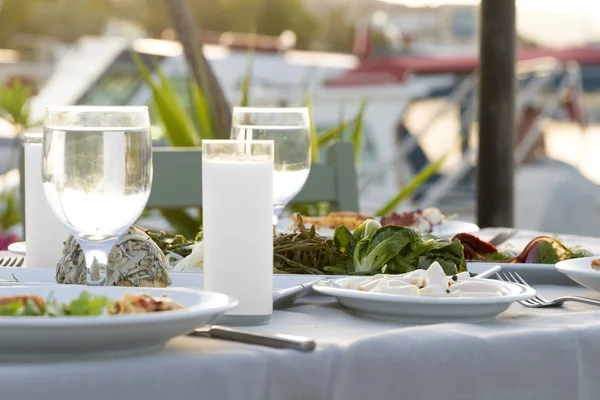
[324,138]
[314,138]
[206,122]
[358,132]
[170,95]
[412,186]
[247,81]
[14,103]
[179,128]
[11,215]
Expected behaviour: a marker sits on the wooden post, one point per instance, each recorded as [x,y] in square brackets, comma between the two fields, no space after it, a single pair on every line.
[497,81]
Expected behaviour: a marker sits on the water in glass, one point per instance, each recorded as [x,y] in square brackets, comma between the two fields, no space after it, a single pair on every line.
[96,194]
[97,181]
[292,158]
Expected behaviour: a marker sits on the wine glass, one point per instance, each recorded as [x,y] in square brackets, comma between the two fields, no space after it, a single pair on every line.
[289,128]
[97,174]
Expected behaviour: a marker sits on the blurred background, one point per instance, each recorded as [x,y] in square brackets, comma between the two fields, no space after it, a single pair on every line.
[397,76]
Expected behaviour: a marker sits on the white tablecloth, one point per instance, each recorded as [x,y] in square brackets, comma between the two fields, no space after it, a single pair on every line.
[525,354]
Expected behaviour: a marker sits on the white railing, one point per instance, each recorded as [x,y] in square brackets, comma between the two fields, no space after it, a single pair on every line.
[543,72]
[572,75]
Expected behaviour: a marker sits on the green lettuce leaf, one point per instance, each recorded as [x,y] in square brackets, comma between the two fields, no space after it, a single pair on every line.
[450,255]
[367,228]
[373,252]
[87,305]
[344,240]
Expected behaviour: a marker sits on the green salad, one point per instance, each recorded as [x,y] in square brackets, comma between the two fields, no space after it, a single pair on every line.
[377,249]
[84,305]
[371,249]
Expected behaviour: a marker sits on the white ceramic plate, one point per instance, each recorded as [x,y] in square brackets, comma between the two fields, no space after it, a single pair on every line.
[25,338]
[580,271]
[452,227]
[415,309]
[17,248]
[446,229]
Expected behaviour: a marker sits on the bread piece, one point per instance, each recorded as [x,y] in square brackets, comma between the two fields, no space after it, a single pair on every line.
[351,220]
[141,303]
[22,298]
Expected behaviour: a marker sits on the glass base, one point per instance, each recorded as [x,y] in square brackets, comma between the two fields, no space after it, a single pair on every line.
[243,320]
[100,282]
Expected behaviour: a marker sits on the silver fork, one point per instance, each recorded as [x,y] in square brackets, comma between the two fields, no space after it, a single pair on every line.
[502,237]
[539,301]
[11,261]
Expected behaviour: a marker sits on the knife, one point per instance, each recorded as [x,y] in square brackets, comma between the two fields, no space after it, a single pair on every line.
[489,272]
[277,341]
[286,297]
[502,237]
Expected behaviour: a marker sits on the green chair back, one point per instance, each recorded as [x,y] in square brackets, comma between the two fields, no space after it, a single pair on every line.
[177,181]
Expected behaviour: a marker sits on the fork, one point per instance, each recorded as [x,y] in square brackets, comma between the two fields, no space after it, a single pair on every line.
[11,261]
[502,237]
[539,301]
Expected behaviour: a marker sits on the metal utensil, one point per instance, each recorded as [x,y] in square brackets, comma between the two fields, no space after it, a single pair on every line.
[489,272]
[277,341]
[286,297]
[12,261]
[502,237]
[539,301]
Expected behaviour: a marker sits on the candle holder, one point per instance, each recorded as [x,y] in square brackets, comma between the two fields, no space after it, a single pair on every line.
[237,197]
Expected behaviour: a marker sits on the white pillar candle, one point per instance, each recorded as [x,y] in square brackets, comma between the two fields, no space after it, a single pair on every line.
[237,197]
[44,233]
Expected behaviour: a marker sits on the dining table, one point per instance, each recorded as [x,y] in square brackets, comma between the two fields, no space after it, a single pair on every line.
[546,354]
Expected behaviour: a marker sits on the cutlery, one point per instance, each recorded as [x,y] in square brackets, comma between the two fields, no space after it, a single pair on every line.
[286,297]
[489,272]
[11,261]
[539,301]
[277,341]
[502,237]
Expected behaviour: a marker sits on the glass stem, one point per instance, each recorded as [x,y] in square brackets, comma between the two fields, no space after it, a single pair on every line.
[96,260]
[277,210]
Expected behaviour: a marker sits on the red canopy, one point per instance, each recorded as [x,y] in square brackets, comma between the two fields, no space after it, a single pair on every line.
[395,69]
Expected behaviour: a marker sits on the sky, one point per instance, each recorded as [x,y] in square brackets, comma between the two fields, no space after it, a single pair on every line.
[578,20]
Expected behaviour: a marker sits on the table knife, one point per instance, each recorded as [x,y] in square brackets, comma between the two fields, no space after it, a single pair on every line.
[286,297]
[502,237]
[277,341]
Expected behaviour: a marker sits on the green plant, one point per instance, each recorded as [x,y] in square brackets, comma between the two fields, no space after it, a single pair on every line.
[246,82]
[182,130]
[319,140]
[14,104]
[407,191]
[10,215]
[15,98]
[179,127]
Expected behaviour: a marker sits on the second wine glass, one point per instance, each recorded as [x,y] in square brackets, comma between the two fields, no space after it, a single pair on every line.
[289,128]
